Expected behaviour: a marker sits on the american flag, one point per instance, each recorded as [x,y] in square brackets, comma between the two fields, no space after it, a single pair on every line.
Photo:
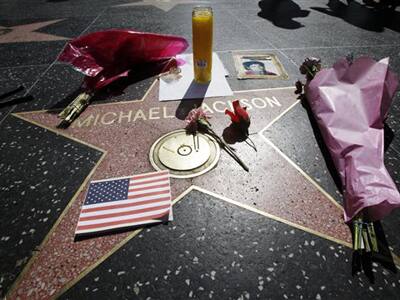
[127,201]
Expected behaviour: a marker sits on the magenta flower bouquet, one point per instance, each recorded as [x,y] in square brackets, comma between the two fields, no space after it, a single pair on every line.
[106,56]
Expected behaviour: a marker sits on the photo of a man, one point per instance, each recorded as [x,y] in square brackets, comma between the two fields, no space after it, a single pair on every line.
[259,66]
[254,67]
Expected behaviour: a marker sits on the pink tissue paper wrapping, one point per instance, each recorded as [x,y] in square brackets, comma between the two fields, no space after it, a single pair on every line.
[350,102]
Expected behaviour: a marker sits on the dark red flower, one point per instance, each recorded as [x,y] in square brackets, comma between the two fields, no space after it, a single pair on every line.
[310,67]
[299,87]
[239,116]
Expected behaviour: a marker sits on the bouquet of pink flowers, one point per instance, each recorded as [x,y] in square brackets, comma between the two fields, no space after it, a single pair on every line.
[350,102]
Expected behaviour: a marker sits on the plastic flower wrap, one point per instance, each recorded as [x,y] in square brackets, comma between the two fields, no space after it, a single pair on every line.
[350,102]
[106,56]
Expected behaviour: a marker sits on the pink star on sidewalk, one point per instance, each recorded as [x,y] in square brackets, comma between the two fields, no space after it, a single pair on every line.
[26,33]
[125,132]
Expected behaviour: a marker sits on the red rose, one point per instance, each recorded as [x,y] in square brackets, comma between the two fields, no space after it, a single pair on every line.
[239,117]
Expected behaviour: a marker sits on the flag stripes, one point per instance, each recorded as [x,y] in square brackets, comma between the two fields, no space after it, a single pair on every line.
[127,201]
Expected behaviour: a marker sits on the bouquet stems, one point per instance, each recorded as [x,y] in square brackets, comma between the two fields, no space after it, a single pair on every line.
[73,110]
[364,235]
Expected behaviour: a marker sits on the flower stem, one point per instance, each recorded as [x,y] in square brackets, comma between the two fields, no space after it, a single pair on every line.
[227,148]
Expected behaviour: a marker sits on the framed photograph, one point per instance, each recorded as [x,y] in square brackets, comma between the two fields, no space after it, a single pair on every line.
[259,66]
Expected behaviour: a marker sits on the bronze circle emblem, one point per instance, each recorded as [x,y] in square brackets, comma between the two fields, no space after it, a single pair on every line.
[184,155]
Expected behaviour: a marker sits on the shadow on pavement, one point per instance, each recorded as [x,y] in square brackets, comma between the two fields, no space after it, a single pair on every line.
[372,18]
[281,13]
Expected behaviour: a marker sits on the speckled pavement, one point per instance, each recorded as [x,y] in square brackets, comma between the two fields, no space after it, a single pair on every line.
[276,232]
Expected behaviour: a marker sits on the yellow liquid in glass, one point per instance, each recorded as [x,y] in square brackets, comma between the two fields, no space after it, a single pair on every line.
[202,26]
